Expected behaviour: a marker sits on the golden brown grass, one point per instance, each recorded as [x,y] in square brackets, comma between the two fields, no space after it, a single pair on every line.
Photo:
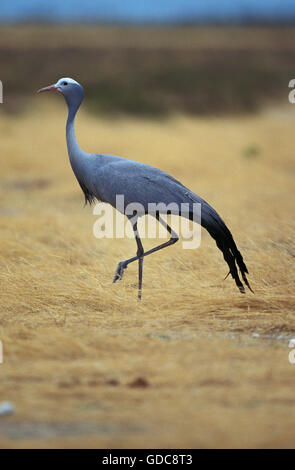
[85,363]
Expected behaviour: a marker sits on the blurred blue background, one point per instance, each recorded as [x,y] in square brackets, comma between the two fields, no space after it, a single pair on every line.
[133,11]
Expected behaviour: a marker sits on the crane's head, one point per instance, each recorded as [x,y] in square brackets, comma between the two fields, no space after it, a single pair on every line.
[72,90]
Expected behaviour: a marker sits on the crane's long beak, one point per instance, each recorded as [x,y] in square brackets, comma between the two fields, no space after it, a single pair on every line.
[47,88]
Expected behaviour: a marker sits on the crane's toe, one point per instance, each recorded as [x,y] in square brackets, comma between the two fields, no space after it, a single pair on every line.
[119,271]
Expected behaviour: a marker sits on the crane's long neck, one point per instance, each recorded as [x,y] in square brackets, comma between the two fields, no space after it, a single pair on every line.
[78,158]
[74,150]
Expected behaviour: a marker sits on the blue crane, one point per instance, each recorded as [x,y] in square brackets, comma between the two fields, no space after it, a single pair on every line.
[103,177]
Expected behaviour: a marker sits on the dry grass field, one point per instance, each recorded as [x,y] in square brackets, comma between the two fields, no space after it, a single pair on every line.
[85,363]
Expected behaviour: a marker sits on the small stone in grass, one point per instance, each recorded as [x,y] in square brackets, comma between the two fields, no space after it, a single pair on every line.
[6,408]
[113,382]
[140,382]
[255,335]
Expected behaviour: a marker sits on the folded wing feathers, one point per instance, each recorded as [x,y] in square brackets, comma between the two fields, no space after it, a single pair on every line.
[225,242]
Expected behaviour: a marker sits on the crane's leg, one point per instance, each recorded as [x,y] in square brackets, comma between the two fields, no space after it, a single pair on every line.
[140,253]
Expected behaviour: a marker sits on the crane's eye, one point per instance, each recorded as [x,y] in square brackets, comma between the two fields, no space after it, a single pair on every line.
[65,83]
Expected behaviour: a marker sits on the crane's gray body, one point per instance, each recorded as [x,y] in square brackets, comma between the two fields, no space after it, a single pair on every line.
[103,177]
[107,175]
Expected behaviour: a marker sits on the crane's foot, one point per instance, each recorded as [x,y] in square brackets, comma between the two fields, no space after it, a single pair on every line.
[119,271]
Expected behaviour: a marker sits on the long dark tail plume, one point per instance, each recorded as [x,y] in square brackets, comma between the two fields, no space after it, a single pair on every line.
[213,223]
